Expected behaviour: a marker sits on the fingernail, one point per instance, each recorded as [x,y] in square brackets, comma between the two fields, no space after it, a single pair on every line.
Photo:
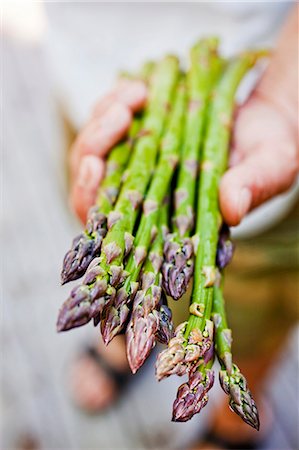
[245,199]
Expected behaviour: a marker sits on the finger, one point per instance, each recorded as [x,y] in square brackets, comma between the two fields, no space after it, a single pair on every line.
[257,178]
[84,190]
[131,93]
[101,134]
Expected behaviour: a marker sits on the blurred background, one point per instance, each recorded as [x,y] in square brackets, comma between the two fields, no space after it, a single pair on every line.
[57,59]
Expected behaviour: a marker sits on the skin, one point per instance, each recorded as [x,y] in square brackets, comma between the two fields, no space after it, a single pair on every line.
[264,159]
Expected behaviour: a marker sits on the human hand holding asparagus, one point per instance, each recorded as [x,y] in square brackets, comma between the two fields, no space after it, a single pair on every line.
[121,288]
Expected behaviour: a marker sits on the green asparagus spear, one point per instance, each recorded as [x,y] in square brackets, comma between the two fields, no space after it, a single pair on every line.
[147,314]
[214,162]
[86,246]
[178,250]
[115,314]
[231,379]
[98,284]
[198,332]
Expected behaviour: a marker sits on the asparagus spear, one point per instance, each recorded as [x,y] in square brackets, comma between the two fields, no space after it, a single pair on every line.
[108,273]
[147,314]
[178,250]
[231,379]
[86,246]
[225,247]
[115,314]
[199,330]
[192,396]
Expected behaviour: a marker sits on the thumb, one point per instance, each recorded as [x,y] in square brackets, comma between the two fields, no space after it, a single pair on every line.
[268,171]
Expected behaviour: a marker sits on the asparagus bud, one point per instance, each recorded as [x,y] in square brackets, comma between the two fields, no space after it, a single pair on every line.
[85,247]
[225,248]
[184,354]
[164,330]
[178,267]
[193,395]
[240,399]
[231,379]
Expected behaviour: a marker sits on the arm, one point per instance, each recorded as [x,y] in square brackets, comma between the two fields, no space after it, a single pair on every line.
[265,150]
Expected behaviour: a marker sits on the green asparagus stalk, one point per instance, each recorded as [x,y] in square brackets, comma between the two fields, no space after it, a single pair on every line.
[178,250]
[198,332]
[147,314]
[116,313]
[214,163]
[99,284]
[86,246]
[231,379]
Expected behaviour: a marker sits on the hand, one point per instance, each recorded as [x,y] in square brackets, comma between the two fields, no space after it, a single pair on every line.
[109,122]
[264,158]
[265,142]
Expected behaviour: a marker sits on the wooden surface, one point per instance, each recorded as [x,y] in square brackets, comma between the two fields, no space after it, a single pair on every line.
[37,227]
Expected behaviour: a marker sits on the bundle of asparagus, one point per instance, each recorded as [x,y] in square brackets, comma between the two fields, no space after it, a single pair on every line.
[144,240]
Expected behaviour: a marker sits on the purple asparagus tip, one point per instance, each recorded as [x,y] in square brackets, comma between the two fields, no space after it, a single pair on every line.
[86,301]
[240,398]
[193,395]
[177,268]
[225,248]
[140,335]
[165,328]
[115,315]
[151,320]
[85,247]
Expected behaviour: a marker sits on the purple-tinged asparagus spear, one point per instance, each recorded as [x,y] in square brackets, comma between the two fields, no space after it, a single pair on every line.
[178,263]
[121,221]
[225,247]
[192,396]
[114,316]
[150,319]
[231,379]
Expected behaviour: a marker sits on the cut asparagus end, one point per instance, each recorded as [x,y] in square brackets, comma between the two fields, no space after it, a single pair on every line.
[178,265]
[240,399]
[193,395]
